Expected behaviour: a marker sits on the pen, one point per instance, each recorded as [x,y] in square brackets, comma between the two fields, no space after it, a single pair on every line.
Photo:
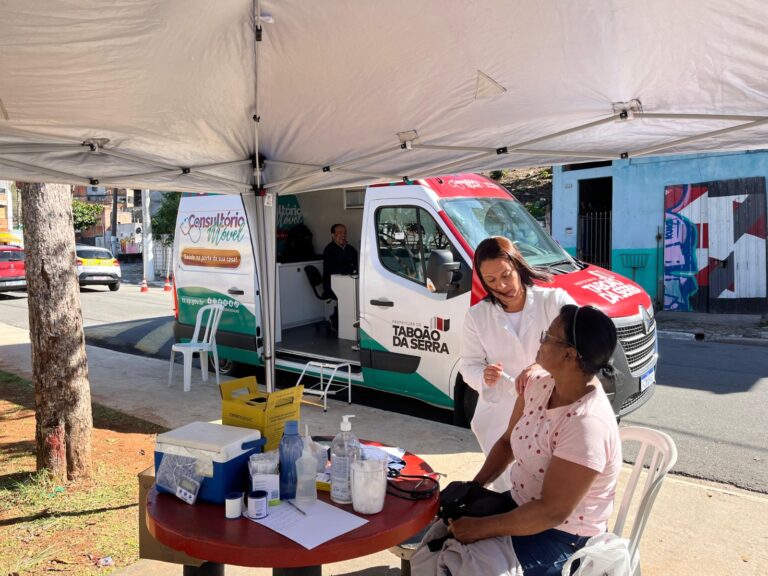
[296,507]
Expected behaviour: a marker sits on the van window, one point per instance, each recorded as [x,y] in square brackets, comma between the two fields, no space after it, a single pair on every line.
[479,218]
[406,237]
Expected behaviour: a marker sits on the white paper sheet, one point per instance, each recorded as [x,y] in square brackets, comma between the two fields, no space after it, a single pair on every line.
[321,523]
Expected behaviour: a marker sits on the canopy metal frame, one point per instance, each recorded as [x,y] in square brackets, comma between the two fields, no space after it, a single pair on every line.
[16,155]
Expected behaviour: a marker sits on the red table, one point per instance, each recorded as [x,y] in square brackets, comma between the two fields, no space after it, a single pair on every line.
[203,532]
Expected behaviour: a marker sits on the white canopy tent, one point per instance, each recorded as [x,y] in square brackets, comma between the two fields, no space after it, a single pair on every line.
[180,95]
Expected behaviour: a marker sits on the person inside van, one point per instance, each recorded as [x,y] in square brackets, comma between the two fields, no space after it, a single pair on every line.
[563,445]
[501,335]
[339,257]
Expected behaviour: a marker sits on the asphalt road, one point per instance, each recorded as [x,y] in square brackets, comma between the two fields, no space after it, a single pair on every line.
[710,397]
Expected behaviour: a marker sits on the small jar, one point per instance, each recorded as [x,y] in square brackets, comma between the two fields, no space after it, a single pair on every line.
[257,504]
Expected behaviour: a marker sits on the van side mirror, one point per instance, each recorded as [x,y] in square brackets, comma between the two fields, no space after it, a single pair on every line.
[442,271]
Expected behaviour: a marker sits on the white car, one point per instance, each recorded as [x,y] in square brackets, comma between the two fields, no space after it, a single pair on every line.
[97,266]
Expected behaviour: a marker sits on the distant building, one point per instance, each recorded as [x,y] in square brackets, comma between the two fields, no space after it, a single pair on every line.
[690,229]
[100,233]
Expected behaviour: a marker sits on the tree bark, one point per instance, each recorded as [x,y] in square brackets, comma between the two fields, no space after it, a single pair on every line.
[59,363]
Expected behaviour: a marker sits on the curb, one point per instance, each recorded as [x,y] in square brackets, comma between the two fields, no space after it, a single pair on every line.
[703,336]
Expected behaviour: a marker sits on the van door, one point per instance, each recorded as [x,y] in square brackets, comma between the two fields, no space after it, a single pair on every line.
[409,337]
[214,263]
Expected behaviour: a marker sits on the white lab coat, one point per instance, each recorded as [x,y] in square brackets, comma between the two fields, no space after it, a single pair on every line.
[489,339]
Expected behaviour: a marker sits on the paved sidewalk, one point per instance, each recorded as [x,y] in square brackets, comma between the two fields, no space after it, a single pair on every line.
[697,528]
[750,329]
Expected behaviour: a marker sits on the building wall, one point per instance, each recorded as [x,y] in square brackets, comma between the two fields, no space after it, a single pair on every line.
[639,186]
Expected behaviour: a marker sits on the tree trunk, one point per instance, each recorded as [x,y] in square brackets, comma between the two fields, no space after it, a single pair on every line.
[59,364]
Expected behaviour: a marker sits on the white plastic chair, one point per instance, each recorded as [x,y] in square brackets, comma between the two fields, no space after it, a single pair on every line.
[658,450]
[202,346]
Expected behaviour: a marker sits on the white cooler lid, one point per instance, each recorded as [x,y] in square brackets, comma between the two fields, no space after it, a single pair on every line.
[224,442]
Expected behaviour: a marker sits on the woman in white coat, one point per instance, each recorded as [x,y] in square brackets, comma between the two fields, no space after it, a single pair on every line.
[501,335]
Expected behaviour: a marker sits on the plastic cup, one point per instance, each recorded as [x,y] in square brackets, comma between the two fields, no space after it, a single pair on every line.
[368,480]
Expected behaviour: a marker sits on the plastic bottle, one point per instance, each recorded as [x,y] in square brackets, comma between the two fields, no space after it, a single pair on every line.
[290,451]
[345,449]
[306,470]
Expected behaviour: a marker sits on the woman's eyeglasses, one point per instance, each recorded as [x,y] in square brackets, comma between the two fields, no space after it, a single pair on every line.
[545,335]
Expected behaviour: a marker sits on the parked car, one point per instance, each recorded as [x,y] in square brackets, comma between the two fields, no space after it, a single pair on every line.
[97,266]
[12,269]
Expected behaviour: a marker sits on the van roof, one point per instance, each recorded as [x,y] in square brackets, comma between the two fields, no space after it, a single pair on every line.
[459,185]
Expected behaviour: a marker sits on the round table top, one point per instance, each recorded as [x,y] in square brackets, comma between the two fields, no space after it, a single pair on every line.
[203,532]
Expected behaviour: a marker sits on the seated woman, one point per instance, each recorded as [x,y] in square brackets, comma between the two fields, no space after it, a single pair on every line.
[565,453]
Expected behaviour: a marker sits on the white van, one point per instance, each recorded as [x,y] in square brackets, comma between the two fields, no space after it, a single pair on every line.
[400,320]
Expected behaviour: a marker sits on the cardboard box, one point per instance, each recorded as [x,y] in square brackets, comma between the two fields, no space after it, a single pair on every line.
[243,405]
[149,547]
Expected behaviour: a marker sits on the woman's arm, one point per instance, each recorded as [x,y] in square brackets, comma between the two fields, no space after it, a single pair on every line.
[565,486]
[473,359]
[501,454]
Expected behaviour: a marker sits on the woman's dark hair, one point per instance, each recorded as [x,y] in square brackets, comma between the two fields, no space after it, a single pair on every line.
[496,247]
[593,335]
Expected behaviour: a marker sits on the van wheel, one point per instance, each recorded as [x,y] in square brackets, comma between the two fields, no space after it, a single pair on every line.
[464,403]
[227,367]
[114,287]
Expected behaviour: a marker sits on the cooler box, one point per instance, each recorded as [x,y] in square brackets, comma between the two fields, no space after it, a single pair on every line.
[221,454]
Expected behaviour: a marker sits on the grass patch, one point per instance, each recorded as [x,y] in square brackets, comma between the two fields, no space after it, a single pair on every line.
[67,527]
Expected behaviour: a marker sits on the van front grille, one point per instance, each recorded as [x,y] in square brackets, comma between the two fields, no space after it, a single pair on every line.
[639,347]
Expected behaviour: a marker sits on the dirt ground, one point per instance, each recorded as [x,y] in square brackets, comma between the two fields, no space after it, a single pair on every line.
[68,528]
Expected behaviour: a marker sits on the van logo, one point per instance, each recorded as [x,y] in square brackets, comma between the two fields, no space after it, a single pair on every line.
[218,228]
[415,336]
[647,320]
[465,184]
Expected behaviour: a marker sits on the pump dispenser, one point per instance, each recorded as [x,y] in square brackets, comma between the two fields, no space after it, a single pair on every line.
[345,449]
[306,466]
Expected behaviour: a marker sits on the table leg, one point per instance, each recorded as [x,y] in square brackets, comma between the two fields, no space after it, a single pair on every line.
[205,569]
[303,571]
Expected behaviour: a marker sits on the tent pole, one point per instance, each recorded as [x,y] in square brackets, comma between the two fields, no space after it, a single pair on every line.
[57,176]
[264,214]
[256,41]
[652,149]
[35,148]
[261,214]
[672,116]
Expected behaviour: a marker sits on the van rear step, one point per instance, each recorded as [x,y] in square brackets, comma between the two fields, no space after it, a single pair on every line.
[302,357]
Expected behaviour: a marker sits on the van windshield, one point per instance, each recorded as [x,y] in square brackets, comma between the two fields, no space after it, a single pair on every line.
[479,218]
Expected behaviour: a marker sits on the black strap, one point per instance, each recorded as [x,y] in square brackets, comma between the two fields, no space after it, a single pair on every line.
[424,488]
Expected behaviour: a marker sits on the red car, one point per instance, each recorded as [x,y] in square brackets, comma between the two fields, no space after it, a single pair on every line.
[12,269]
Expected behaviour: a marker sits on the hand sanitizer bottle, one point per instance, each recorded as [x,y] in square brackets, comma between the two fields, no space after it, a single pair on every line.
[306,469]
[345,449]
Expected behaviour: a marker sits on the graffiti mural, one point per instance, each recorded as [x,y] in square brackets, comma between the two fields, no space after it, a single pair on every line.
[715,246]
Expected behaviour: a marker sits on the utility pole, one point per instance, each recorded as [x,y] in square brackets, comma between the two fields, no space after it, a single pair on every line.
[147,247]
[113,224]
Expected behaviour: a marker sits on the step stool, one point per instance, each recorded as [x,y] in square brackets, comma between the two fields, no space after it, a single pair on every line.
[325,387]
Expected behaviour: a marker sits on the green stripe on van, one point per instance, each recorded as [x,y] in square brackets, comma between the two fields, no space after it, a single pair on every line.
[412,385]
[236,317]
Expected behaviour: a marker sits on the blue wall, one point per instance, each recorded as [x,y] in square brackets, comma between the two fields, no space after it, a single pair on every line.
[638,202]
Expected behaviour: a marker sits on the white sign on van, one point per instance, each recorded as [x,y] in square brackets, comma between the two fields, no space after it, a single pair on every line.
[415,336]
